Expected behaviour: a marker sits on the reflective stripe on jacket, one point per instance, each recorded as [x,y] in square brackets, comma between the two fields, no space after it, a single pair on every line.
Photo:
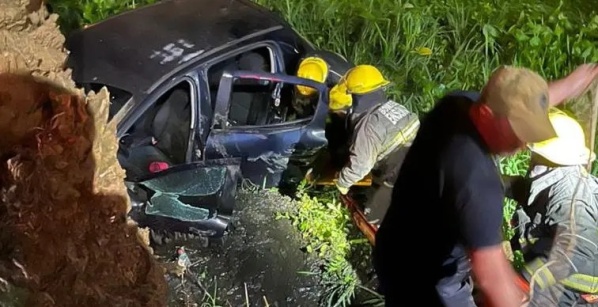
[384,130]
[562,233]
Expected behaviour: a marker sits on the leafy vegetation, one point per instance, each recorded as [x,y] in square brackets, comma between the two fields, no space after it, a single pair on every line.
[75,14]
[426,47]
[324,223]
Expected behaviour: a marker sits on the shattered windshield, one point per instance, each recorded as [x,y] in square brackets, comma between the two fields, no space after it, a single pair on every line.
[170,188]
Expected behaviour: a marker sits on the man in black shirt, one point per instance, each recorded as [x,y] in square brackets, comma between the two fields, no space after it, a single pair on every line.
[447,202]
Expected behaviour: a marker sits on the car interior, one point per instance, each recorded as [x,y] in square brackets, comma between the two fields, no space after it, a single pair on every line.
[254,102]
[161,135]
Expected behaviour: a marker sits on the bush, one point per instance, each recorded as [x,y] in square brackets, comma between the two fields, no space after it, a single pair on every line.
[75,14]
[324,224]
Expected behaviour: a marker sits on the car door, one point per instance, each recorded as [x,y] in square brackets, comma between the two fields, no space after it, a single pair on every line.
[174,195]
[194,198]
[266,150]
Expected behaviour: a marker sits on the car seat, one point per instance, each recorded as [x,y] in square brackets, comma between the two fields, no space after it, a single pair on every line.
[136,162]
[171,125]
[215,76]
[249,103]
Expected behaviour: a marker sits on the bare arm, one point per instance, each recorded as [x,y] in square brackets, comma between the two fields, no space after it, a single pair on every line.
[495,277]
[572,85]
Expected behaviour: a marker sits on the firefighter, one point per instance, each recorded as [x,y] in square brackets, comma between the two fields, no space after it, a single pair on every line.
[328,68]
[317,66]
[557,218]
[380,135]
[447,203]
[305,99]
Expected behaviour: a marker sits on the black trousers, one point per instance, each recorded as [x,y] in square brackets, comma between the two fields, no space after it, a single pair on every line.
[451,291]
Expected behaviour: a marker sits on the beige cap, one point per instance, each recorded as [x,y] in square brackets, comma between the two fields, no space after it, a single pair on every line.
[521,96]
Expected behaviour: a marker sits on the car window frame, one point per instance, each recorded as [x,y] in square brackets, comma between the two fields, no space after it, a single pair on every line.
[276,64]
[150,101]
[298,122]
[290,124]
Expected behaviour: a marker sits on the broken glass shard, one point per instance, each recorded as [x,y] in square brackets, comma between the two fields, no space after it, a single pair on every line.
[193,182]
[168,205]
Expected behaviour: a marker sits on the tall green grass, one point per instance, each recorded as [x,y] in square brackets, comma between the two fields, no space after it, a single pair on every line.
[467,39]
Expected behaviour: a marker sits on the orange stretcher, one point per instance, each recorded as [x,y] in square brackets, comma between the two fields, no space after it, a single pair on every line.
[327,176]
[359,219]
[324,174]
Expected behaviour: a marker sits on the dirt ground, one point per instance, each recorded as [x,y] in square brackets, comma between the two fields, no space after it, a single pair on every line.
[261,261]
[64,236]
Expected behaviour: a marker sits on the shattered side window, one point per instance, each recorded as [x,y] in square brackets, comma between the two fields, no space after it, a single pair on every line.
[194,182]
[169,189]
[169,205]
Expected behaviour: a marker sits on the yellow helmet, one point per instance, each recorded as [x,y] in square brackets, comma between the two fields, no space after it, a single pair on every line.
[569,147]
[339,98]
[312,68]
[363,79]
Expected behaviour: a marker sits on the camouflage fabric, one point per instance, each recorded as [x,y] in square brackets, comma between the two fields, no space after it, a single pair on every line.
[558,226]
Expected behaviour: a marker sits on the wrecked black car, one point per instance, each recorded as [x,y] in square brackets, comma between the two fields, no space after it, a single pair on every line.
[201,92]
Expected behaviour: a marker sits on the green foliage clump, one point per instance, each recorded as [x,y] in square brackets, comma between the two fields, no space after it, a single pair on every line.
[75,14]
[324,224]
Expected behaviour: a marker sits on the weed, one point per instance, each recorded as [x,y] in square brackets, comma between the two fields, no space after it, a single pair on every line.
[210,299]
[324,224]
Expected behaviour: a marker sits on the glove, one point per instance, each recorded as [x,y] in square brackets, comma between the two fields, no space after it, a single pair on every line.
[342,190]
